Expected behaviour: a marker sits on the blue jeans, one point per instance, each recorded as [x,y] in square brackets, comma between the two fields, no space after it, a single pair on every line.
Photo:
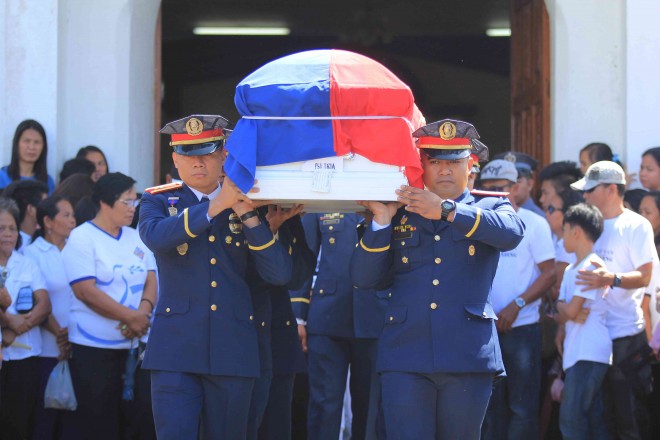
[581,415]
[513,411]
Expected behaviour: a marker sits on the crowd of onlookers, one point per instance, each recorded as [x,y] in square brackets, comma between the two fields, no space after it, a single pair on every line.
[90,302]
[78,286]
[577,301]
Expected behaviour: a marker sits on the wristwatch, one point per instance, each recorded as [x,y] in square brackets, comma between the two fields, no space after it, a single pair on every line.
[520,302]
[248,215]
[448,206]
[616,282]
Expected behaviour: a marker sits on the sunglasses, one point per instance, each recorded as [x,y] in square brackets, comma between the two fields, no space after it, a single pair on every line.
[589,191]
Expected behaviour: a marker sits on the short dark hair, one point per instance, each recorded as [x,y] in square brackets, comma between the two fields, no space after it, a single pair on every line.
[75,187]
[76,166]
[621,189]
[598,151]
[40,166]
[82,153]
[25,193]
[560,174]
[10,207]
[634,198]
[84,210]
[587,217]
[569,198]
[46,208]
[110,187]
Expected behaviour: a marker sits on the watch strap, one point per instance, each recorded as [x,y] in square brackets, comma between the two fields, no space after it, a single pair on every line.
[248,215]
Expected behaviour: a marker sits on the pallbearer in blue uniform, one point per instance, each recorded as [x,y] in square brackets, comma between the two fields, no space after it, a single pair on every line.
[438,352]
[342,325]
[287,356]
[276,328]
[202,350]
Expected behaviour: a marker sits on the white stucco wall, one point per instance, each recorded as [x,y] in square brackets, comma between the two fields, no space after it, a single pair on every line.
[106,81]
[84,69]
[605,63]
[588,75]
[28,71]
[642,79]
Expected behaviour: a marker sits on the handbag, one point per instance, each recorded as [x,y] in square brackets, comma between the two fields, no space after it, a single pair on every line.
[59,392]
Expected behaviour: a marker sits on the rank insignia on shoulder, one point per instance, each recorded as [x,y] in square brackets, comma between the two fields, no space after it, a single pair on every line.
[481,193]
[163,188]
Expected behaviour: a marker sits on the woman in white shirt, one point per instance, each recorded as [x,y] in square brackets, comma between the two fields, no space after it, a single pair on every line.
[112,274]
[56,221]
[21,337]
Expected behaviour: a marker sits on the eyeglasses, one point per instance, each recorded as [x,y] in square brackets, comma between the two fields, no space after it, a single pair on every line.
[130,203]
[551,209]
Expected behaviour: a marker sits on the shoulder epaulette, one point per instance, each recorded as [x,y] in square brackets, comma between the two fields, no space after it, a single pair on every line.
[481,193]
[163,188]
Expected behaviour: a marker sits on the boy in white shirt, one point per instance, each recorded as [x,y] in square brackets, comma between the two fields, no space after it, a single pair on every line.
[627,247]
[587,350]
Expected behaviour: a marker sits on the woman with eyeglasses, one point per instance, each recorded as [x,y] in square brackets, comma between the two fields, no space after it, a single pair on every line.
[28,306]
[112,274]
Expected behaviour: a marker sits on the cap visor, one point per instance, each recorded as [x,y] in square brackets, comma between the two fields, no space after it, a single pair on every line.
[583,184]
[197,149]
[446,154]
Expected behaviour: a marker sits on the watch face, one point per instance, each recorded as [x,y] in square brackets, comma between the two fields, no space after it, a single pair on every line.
[447,204]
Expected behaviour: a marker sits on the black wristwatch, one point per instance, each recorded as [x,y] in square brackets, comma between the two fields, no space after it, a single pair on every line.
[248,215]
[448,206]
[616,282]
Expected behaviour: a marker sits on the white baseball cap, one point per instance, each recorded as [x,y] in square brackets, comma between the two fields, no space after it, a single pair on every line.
[604,171]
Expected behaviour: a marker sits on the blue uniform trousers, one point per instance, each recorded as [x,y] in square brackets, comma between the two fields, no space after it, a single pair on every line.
[258,402]
[435,406]
[329,359]
[276,423]
[180,399]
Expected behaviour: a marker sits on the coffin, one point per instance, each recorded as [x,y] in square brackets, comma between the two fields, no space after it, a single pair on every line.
[331,184]
[324,128]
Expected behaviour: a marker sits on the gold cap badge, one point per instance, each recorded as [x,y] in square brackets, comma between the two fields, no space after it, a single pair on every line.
[194,127]
[447,131]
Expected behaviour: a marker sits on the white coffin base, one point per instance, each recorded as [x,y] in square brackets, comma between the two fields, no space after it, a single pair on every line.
[359,179]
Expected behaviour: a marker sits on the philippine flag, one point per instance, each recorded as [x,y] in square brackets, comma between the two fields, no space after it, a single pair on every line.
[322,103]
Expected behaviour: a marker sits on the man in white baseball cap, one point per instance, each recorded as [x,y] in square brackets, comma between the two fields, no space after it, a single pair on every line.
[627,248]
[603,172]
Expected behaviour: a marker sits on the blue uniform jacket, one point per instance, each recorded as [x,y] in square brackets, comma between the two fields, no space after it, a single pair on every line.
[439,318]
[279,347]
[336,307]
[204,322]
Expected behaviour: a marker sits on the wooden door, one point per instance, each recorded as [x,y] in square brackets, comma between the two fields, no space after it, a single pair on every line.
[530,79]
